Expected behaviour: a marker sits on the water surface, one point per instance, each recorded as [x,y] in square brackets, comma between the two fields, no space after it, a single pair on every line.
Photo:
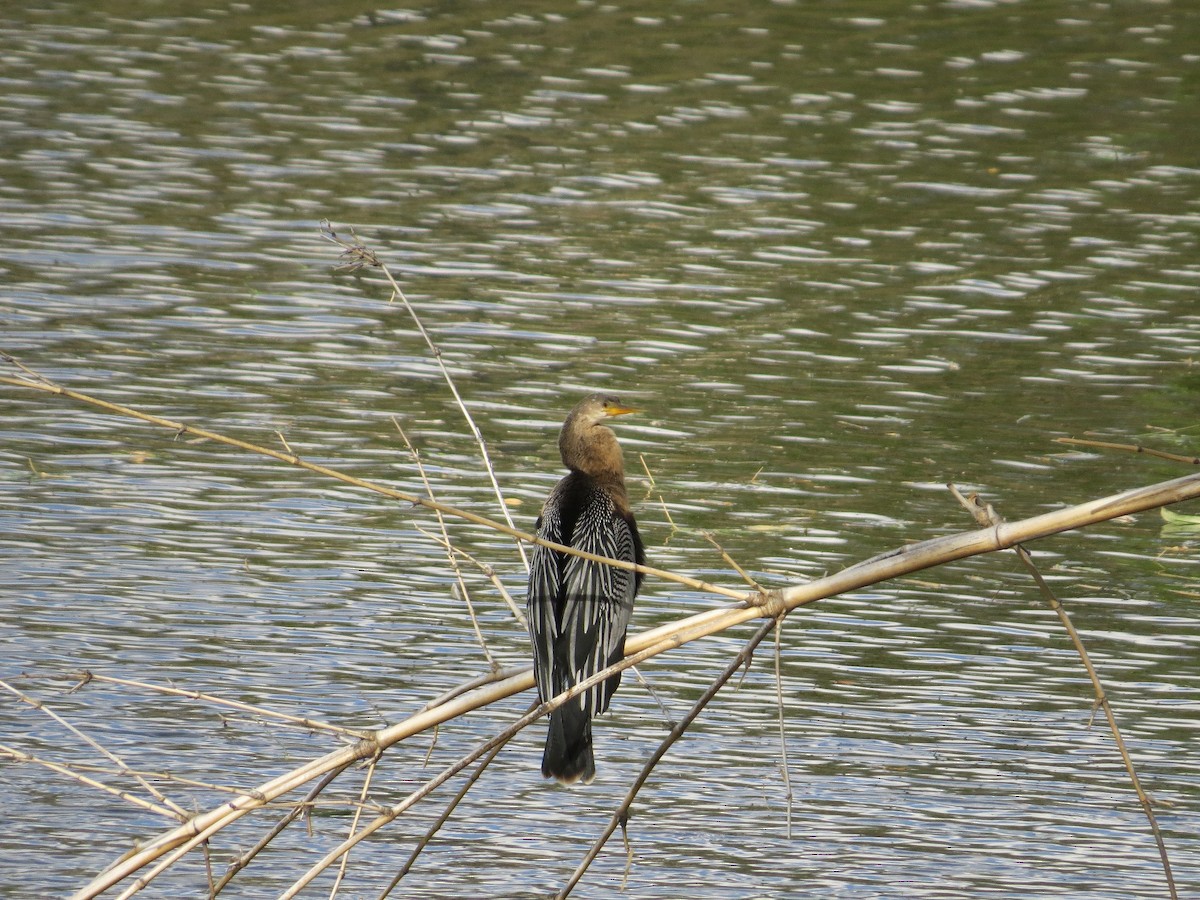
[840,253]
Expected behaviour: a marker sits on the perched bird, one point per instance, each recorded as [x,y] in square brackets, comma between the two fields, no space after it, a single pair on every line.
[578,609]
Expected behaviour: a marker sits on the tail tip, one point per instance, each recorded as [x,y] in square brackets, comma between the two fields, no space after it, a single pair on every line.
[579,772]
[569,761]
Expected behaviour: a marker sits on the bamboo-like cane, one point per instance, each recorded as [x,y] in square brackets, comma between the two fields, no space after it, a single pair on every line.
[358,254]
[39,383]
[753,604]
[985,514]
[915,558]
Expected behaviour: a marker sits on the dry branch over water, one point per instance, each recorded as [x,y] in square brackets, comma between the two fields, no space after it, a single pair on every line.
[169,846]
[302,787]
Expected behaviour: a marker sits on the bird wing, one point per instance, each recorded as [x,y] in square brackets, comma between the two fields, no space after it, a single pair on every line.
[543,599]
[597,600]
[579,610]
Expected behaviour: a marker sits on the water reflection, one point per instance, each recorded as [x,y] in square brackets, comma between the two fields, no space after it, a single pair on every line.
[842,255]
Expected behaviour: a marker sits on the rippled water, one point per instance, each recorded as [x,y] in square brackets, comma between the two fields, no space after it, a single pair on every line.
[841,253]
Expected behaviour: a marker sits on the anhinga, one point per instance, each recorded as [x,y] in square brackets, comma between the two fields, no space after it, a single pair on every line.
[578,609]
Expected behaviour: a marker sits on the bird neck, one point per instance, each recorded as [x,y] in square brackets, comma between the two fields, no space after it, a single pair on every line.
[593,451]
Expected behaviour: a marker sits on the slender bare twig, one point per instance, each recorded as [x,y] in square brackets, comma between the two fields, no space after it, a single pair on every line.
[111,772]
[661,501]
[985,514]
[486,569]
[783,754]
[71,772]
[358,254]
[362,799]
[432,744]
[180,813]
[621,815]
[668,719]
[464,591]
[1130,448]
[29,373]
[732,563]
[307,724]
[49,387]
[628,853]
[208,870]
[445,815]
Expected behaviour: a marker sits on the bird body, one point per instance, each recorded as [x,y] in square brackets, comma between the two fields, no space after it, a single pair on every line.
[579,610]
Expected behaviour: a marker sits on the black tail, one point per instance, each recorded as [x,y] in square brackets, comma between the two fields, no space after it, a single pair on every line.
[568,756]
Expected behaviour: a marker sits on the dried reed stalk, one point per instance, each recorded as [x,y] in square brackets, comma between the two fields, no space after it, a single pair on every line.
[159,854]
[985,514]
[49,387]
[355,255]
[917,557]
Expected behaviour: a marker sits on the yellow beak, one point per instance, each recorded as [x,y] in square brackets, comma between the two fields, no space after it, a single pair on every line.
[615,409]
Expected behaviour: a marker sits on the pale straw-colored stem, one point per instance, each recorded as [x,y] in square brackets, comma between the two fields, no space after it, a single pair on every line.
[641,646]
[292,459]
[363,255]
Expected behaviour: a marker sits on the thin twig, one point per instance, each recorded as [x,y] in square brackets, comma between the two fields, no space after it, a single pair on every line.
[628,853]
[464,592]
[180,813]
[985,514]
[30,373]
[621,815]
[441,819]
[783,754]
[110,772]
[208,870]
[437,730]
[732,563]
[661,501]
[297,721]
[668,719]
[486,569]
[360,254]
[362,799]
[70,772]
[293,460]
[1130,448]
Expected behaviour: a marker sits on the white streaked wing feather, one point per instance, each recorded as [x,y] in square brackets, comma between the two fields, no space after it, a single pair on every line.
[599,598]
[596,599]
[544,588]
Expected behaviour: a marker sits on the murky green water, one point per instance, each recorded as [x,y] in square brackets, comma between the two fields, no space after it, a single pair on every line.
[842,253]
